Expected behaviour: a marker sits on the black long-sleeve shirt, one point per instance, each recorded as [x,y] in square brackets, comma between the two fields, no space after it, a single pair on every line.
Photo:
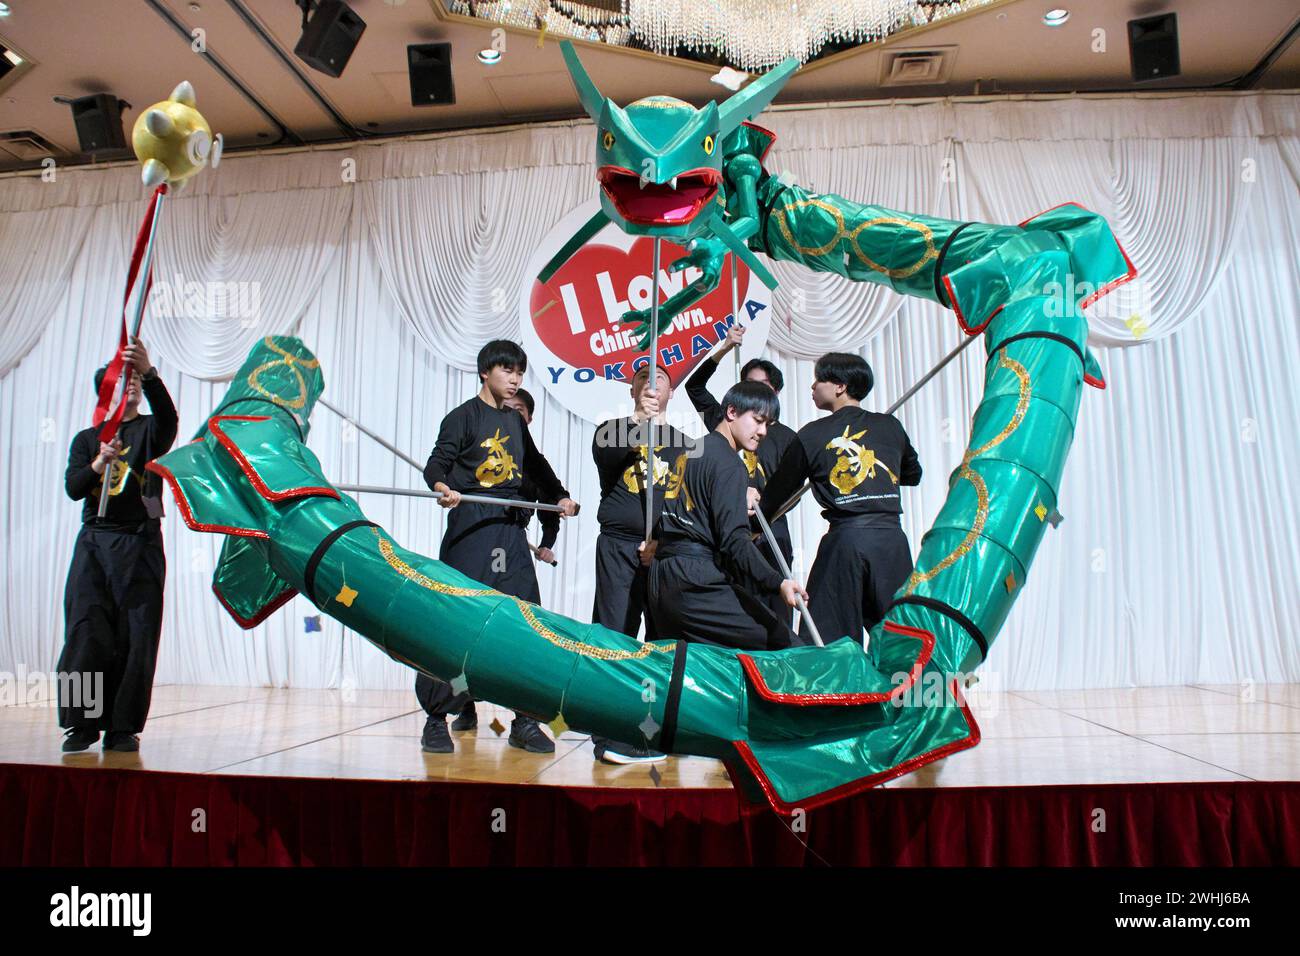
[856,459]
[550,520]
[706,503]
[619,449]
[135,495]
[760,465]
[485,450]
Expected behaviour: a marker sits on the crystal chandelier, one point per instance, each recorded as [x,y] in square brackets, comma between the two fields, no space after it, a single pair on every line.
[750,34]
[756,34]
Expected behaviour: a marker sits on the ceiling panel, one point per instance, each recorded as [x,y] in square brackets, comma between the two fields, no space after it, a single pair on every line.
[127,48]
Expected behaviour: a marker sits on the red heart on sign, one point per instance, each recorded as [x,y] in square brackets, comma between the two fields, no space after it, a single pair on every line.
[578,314]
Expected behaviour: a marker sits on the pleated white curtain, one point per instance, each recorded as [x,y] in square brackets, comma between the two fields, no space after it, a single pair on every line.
[396,261]
[453,249]
[37,253]
[230,270]
[897,177]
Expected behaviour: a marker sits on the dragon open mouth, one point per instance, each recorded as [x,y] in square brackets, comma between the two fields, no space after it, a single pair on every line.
[659,203]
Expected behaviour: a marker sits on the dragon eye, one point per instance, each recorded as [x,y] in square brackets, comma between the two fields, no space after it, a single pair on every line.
[708,146]
[607,140]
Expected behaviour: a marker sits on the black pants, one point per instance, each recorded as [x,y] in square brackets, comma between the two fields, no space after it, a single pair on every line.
[852,582]
[692,599]
[484,542]
[112,609]
[780,531]
[620,603]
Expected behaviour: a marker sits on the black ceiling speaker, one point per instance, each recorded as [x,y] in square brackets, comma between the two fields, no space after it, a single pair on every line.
[330,36]
[1153,47]
[98,119]
[429,65]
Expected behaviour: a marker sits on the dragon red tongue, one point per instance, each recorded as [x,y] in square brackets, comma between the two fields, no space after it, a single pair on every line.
[662,202]
[658,202]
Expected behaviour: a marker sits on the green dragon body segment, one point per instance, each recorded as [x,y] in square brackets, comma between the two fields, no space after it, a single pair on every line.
[796,728]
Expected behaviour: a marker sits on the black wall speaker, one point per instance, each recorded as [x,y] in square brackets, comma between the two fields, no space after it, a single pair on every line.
[330,37]
[98,120]
[429,65]
[1153,47]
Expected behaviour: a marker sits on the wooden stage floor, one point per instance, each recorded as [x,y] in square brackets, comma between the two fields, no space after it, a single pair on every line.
[1142,735]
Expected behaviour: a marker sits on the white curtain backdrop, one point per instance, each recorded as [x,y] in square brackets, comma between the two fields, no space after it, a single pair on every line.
[1177,559]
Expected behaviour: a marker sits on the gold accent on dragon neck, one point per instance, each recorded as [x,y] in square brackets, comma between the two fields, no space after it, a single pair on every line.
[525,608]
[981,489]
[930,251]
[821,250]
[841,232]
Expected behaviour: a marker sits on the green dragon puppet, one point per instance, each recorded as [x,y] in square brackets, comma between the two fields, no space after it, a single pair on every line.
[796,728]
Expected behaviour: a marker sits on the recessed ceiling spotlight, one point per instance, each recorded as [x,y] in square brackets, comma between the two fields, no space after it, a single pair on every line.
[489,57]
[1054,18]
[5,10]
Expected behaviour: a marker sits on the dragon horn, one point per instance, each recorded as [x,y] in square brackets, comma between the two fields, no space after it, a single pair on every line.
[754,98]
[592,101]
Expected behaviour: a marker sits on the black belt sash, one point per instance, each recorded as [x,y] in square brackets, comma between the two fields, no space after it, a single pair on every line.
[1040,335]
[685,549]
[668,732]
[309,576]
[950,612]
[938,265]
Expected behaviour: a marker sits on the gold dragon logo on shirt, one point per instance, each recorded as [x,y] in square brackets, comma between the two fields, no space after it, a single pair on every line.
[499,466]
[119,472]
[677,482]
[634,476]
[752,465]
[854,463]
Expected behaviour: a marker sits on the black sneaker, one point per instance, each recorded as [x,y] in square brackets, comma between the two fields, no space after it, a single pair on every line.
[527,734]
[467,719]
[436,739]
[121,742]
[79,738]
[614,751]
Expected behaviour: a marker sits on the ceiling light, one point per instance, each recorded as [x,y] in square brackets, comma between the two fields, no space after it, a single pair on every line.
[13,58]
[5,10]
[490,57]
[1054,18]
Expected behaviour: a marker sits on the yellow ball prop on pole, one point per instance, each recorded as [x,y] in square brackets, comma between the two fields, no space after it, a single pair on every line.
[173,140]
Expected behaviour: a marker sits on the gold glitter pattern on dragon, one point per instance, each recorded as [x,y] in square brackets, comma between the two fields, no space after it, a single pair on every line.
[841,232]
[389,555]
[969,474]
[292,363]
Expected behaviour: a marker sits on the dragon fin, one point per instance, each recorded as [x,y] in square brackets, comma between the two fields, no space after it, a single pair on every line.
[588,230]
[737,245]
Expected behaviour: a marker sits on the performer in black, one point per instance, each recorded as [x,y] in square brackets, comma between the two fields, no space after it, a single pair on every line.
[619,449]
[704,559]
[522,402]
[113,601]
[857,461]
[759,464]
[525,405]
[476,453]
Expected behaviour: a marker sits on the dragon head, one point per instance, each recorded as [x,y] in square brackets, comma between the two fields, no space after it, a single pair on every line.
[659,160]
